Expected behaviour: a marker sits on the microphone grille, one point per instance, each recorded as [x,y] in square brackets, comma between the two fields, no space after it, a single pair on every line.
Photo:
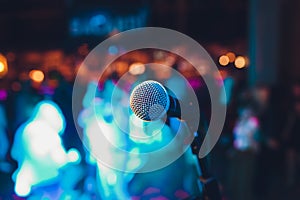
[149,100]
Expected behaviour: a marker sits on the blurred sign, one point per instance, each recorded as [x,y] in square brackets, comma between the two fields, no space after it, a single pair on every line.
[103,23]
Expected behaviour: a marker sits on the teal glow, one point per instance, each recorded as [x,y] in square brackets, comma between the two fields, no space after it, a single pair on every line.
[147,132]
[102,135]
[38,148]
[111,179]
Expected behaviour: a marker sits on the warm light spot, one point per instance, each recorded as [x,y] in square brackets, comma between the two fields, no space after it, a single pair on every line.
[224,60]
[240,62]
[36,75]
[121,67]
[2,67]
[231,56]
[137,68]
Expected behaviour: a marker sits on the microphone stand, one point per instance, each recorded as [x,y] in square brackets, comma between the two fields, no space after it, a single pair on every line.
[210,184]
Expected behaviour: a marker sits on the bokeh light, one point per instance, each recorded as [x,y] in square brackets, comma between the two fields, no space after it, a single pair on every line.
[231,56]
[137,68]
[3,66]
[240,62]
[36,75]
[224,60]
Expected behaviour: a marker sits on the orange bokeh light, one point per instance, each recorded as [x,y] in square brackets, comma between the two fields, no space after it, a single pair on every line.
[137,68]
[36,75]
[224,60]
[231,56]
[240,62]
[3,66]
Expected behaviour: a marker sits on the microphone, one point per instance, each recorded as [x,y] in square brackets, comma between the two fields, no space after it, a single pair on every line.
[150,101]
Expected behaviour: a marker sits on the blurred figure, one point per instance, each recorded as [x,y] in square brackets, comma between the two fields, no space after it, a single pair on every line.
[38,150]
[270,157]
[246,131]
[219,155]
[98,114]
[245,145]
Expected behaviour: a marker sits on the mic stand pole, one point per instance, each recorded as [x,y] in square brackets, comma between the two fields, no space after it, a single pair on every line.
[211,189]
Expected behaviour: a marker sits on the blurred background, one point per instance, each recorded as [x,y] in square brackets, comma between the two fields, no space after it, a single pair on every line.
[254,43]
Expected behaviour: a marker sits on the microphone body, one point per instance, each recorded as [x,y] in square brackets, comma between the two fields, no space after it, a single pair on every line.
[174,108]
[151,101]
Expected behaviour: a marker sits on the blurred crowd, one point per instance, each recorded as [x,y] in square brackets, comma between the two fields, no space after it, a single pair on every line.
[258,154]
[256,157]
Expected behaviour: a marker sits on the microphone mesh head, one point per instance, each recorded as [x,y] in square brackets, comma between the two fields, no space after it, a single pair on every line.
[149,100]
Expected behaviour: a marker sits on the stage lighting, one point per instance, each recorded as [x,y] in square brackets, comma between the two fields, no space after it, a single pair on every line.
[224,60]
[231,56]
[36,75]
[3,66]
[240,62]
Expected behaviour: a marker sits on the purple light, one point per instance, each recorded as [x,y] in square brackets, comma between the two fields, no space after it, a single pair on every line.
[3,95]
